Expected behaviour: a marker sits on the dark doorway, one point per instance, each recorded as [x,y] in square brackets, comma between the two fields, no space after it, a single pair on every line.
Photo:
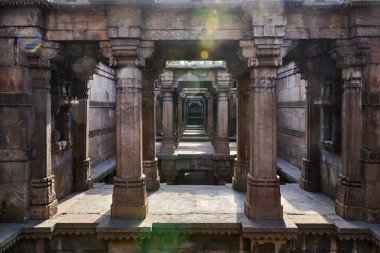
[195,112]
[202,177]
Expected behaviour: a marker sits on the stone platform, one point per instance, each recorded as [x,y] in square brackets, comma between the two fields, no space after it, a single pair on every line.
[196,154]
[193,209]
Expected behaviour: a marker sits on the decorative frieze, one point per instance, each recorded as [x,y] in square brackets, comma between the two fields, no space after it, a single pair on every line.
[15,99]
[370,156]
[291,104]
[288,131]
[370,99]
[101,131]
[101,104]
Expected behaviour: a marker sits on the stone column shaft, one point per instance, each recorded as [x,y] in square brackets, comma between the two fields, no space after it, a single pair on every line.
[150,166]
[129,200]
[263,199]
[309,180]
[350,201]
[158,113]
[82,169]
[241,166]
[222,140]
[168,141]
[180,116]
[210,117]
[43,198]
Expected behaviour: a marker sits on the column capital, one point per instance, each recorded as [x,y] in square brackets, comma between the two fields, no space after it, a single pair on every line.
[127,51]
[350,52]
[261,55]
[128,77]
[47,53]
[352,79]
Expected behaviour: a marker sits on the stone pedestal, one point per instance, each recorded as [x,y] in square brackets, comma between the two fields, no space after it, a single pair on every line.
[241,166]
[82,175]
[309,180]
[43,199]
[150,166]
[129,199]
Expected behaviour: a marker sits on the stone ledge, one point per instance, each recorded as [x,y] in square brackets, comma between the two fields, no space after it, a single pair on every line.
[103,169]
[288,171]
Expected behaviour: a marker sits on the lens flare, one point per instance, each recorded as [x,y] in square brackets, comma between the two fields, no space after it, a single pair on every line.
[204,54]
[29,40]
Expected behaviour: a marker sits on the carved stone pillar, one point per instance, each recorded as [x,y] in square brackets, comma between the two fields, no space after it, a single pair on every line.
[150,166]
[180,117]
[82,169]
[349,203]
[232,112]
[351,56]
[168,140]
[241,166]
[158,111]
[310,173]
[263,198]
[43,198]
[129,199]
[222,141]
[210,117]
[263,192]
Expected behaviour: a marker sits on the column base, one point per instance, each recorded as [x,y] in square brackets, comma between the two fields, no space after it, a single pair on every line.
[44,212]
[167,146]
[309,180]
[82,175]
[263,199]
[150,169]
[222,145]
[42,191]
[349,201]
[239,180]
[129,199]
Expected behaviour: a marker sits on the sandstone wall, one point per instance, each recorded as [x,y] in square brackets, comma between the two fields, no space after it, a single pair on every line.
[290,115]
[102,120]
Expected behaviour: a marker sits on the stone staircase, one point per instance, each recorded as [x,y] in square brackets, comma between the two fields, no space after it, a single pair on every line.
[194,134]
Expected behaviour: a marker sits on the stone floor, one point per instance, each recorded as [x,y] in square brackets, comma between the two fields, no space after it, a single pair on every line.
[198,207]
